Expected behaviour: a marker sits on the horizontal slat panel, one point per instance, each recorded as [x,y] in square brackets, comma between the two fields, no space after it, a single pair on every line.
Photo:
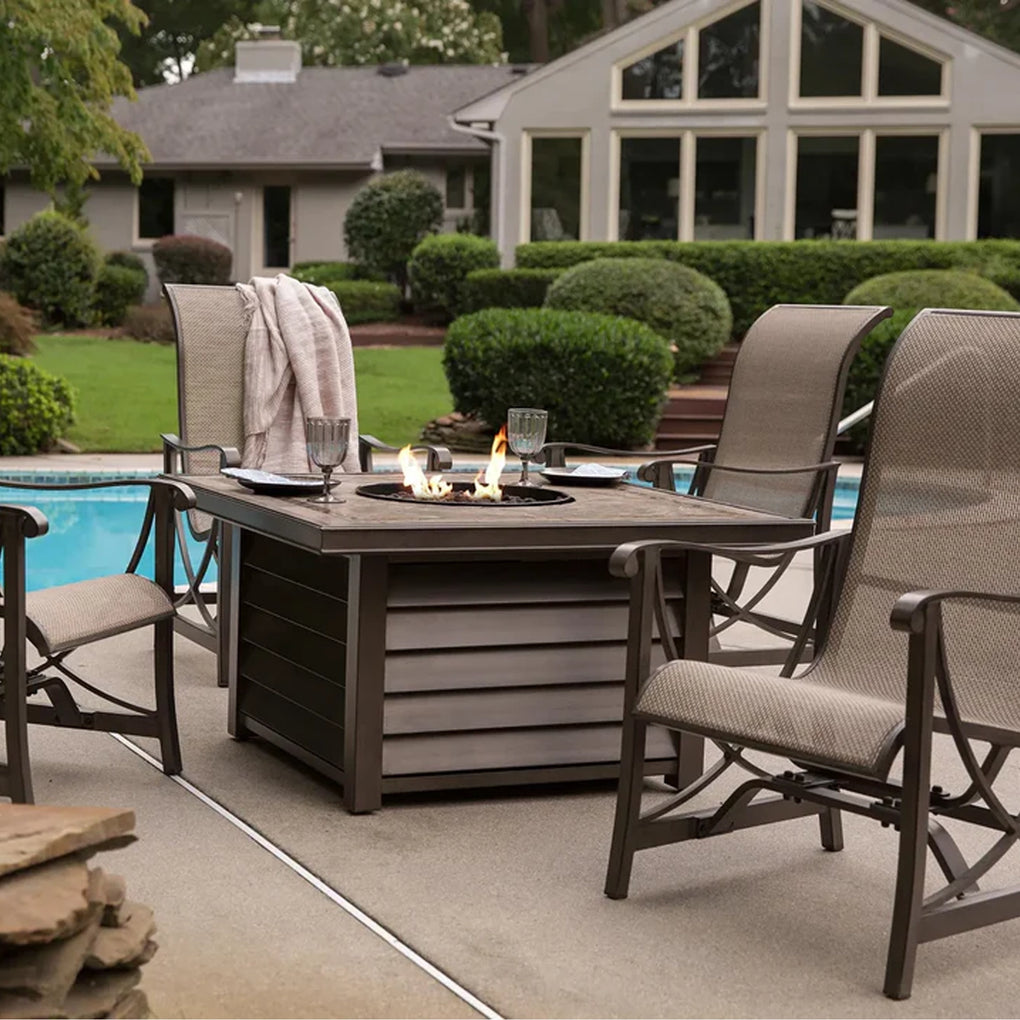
[502,709]
[305,647]
[499,749]
[326,573]
[305,606]
[297,724]
[290,680]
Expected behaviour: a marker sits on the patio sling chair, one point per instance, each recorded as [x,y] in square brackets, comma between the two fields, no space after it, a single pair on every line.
[774,451]
[210,332]
[58,620]
[925,638]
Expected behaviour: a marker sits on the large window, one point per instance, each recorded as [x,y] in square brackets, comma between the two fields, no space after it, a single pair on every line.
[649,189]
[456,187]
[831,53]
[724,189]
[156,207]
[276,226]
[826,203]
[999,191]
[660,75]
[906,183]
[728,56]
[556,188]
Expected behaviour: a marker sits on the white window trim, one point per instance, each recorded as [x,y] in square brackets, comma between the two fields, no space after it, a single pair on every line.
[974,170]
[866,151]
[690,100]
[687,139]
[139,243]
[868,96]
[584,134]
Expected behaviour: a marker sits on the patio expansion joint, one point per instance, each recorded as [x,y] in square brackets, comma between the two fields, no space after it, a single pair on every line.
[319,884]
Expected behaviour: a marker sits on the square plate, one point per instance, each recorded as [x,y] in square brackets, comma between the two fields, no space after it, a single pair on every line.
[265,483]
[570,476]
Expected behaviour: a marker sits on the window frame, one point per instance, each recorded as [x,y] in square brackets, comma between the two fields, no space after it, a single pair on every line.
[469,187]
[689,35]
[139,241]
[977,131]
[584,210]
[868,96]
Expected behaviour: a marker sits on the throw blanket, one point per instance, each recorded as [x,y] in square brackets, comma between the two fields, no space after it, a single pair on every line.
[298,363]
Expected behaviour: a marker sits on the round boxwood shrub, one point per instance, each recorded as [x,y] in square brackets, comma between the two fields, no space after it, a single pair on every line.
[932,288]
[50,264]
[687,308]
[506,288]
[388,217]
[16,327]
[602,378]
[321,273]
[129,260]
[438,267]
[36,408]
[366,300]
[117,288]
[187,258]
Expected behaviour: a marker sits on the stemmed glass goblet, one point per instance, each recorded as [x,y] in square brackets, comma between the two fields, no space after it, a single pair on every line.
[525,433]
[327,440]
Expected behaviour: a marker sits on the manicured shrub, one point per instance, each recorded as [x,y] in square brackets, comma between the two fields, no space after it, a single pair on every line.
[321,273]
[680,304]
[438,267]
[117,288]
[602,378]
[36,408]
[150,323]
[129,260]
[932,288]
[366,301]
[185,258]
[50,264]
[387,219]
[759,274]
[16,327]
[506,288]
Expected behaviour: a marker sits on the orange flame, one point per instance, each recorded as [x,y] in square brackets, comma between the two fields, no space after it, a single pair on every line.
[487,482]
[416,481]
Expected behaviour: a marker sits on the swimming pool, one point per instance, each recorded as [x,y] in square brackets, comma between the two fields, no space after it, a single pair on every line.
[93,532]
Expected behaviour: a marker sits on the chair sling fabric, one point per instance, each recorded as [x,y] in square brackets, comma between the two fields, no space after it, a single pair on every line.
[939,511]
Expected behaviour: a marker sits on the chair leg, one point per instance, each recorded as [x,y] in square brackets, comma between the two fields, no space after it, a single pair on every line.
[166,709]
[831,823]
[16,778]
[628,808]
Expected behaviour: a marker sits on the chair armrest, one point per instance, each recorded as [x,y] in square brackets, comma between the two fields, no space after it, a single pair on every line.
[910,613]
[32,520]
[229,456]
[182,495]
[554,454]
[438,458]
[624,561]
[827,465]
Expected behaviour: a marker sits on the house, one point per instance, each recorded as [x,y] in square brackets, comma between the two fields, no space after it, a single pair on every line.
[763,119]
[266,156]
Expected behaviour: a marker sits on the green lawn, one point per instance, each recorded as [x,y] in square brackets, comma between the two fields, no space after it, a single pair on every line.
[127,392]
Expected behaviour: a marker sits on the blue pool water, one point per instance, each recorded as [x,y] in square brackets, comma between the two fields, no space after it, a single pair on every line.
[93,533]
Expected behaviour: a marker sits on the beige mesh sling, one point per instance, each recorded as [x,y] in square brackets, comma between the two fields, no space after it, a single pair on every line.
[925,638]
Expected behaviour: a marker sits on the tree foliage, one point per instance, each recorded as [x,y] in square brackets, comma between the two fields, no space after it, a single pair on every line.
[59,73]
[998,20]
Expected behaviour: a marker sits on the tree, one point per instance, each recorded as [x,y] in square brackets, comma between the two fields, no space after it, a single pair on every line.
[59,73]
[335,32]
[998,20]
[166,46]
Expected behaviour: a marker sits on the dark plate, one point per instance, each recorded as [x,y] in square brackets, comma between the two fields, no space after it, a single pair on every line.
[289,485]
[513,495]
[566,476]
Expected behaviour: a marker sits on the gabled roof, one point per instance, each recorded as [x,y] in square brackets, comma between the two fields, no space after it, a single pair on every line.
[330,117]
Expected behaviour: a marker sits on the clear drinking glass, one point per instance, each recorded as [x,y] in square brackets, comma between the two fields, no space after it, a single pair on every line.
[327,440]
[525,433]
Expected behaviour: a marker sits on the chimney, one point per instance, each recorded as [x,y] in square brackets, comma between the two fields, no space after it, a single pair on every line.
[268,58]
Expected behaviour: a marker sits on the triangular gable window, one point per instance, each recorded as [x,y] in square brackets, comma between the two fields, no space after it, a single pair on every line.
[905,72]
[831,53]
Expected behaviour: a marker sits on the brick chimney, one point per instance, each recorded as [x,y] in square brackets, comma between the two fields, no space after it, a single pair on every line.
[267,59]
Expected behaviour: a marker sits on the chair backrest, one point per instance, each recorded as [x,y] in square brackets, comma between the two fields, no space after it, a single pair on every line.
[784,403]
[210,369]
[939,508]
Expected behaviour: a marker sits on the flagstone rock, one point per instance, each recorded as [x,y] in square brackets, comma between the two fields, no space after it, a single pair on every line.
[114,892]
[31,834]
[120,947]
[44,903]
[97,993]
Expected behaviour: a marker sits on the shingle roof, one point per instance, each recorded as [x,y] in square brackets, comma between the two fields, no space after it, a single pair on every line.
[330,116]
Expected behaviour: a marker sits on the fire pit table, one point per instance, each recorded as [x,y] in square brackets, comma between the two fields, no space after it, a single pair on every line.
[399,645]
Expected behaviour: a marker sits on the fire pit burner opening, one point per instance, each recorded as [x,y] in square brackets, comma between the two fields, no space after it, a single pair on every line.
[513,495]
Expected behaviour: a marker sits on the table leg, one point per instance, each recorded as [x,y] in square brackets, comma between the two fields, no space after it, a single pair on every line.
[228,567]
[364,683]
[697,619]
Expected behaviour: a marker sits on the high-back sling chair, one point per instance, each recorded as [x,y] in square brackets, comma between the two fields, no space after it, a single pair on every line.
[925,638]
[210,329]
[774,451]
[58,620]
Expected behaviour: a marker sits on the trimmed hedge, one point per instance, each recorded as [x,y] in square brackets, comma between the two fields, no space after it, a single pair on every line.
[438,267]
[36,408]
[321,273]
[506,288]
[186,258]
[17,328]
[366,301]
[759,274]
[50,264]
[932,288]
[117,288]
[602,378]
[680,304]
[129,260]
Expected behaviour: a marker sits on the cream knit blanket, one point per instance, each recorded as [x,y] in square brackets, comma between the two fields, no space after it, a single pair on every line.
[298,363]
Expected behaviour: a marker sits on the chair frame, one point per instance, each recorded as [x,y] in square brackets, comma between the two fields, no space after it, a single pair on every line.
[18,682]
